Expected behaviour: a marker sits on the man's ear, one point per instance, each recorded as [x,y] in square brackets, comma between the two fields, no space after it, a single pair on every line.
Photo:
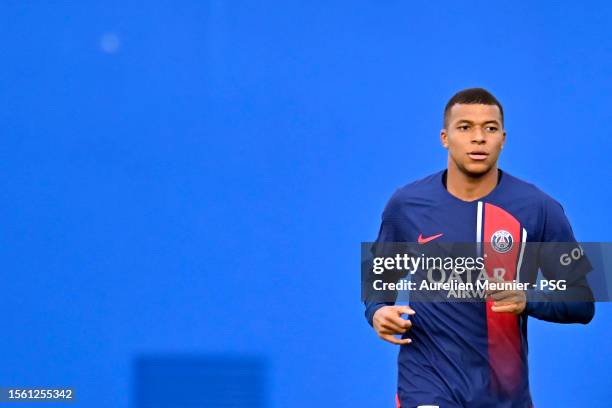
[503,139]
[444,138]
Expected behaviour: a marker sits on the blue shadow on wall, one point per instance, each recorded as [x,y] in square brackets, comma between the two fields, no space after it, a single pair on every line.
[190,381]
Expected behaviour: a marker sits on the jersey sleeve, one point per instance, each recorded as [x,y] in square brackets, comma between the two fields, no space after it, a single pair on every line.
[389,231]
[557,242]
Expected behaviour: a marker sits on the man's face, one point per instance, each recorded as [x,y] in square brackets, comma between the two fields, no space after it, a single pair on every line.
[474,137]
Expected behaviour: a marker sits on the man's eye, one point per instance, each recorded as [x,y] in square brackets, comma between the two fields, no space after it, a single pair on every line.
[463,127]
[491,129]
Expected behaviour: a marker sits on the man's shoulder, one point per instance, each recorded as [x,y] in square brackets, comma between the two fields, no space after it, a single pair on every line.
[424,185]
[528,192]
[420,191]
[428,182]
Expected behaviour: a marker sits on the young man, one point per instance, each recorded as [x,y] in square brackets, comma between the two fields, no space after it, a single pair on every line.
[474,354]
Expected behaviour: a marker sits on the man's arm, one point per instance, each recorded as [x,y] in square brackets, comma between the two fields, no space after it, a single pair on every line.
[551,307]
[388,232]
[385,317]
[576,303]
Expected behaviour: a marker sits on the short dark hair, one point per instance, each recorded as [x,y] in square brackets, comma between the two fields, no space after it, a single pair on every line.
[472,96]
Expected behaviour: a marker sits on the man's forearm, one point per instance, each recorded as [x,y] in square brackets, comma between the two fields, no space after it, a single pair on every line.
[553,306]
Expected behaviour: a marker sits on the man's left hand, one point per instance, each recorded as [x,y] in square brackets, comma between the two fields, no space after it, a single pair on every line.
[508,301]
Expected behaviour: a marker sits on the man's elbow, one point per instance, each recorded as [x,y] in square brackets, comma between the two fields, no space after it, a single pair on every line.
[587,314]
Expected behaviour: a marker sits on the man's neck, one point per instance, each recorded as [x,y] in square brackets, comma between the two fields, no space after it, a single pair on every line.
[469,188]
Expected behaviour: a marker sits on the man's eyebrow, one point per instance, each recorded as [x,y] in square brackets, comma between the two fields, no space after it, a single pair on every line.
[471,122]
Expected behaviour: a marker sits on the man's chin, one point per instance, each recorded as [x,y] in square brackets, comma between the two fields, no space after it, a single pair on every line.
[477,170]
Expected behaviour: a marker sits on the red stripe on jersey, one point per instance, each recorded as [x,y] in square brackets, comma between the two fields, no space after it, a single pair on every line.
[504,341]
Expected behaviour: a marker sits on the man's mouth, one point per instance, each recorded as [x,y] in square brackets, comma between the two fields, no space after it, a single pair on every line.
[478,155]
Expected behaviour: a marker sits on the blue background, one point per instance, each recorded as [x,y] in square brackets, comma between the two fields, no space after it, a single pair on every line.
[194,178]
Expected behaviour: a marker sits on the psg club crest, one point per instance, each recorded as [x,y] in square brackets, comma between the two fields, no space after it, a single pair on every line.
[502,241]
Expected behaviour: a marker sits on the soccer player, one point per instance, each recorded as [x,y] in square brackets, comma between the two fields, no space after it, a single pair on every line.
[474,354]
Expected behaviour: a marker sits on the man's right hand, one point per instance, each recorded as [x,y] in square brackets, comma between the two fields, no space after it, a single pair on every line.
[388,322]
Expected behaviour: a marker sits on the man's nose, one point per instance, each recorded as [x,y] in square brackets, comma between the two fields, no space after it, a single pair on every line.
[479,135]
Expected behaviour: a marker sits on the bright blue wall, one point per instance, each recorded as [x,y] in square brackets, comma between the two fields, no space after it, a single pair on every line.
[204,187]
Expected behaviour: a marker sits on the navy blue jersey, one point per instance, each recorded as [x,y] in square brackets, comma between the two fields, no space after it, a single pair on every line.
[463,354]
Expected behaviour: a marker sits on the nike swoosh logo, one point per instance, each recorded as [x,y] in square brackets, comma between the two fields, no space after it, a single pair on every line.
[422,240]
